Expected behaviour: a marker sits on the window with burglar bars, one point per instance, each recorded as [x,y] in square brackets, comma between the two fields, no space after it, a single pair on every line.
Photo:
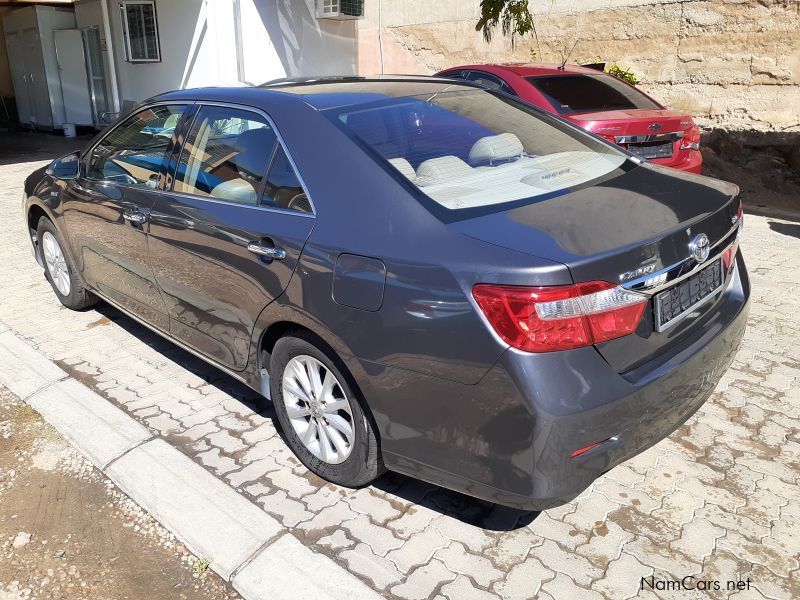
[340,8]
[140,30]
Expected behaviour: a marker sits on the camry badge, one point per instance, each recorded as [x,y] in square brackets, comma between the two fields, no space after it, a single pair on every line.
[655,127]
[699,247]
[636,273]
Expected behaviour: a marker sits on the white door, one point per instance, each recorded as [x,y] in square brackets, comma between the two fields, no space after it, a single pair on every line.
[19,76]
[74,80]
[42,115]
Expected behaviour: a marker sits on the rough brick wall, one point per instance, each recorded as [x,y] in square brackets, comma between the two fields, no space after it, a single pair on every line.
[734,64]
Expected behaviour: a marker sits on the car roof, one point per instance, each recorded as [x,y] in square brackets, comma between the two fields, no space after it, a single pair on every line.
[530,69]
[324,93]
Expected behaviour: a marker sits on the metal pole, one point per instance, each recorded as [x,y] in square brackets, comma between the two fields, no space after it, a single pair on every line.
[112,64]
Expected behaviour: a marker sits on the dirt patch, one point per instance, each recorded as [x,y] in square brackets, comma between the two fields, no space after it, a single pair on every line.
[67,532]
[765,165]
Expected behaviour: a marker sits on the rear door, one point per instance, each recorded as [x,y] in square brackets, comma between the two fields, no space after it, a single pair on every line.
[225,239]
[107,207]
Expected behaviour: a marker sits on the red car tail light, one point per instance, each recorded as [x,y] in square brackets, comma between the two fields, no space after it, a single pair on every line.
[546,319]
[691,138]
[592,446]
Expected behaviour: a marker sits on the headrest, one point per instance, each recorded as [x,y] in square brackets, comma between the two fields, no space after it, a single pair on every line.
[236,190]
[492,148]
[402,165]
[441,169]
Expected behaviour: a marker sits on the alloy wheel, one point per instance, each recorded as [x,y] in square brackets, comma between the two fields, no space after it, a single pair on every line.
[56,263]
[318,409]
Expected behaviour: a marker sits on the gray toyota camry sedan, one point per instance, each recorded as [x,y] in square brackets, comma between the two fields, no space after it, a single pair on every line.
[422,275]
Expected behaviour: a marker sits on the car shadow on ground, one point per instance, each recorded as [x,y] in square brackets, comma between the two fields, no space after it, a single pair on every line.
[467,509]
[790,229]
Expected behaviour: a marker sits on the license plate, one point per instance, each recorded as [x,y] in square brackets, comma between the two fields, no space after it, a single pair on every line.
[673,304]
[652,149]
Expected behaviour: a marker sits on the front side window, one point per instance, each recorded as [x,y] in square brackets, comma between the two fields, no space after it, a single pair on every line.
[473,149]
[134,153]
[569,94]
[226,155]
[140,30]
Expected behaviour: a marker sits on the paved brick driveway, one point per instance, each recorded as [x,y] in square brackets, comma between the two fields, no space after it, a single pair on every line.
[719,500]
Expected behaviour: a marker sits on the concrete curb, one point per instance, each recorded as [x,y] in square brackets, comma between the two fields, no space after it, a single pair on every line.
[244,545]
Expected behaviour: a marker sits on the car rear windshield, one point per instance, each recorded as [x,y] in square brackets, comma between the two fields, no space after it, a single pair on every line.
[569,94]
[471,149]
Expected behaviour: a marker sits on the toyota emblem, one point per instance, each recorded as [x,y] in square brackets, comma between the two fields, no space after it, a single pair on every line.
[699,247]
[655,127]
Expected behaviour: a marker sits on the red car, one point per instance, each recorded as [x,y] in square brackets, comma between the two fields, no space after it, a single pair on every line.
[600,103]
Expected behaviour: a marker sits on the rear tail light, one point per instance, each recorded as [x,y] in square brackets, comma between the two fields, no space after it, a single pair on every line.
[729,255]
[740,214]
[609,138]
[546,319]
[691,138]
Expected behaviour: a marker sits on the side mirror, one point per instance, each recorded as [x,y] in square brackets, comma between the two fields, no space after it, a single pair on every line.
[66,167]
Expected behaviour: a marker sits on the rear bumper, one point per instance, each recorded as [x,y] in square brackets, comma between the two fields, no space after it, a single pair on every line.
[692,163]
[508,439]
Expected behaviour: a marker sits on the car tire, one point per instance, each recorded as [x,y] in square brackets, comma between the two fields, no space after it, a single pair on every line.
[322,444]
[60,270]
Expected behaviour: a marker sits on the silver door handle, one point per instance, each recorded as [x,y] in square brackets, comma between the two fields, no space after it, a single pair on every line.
[268,251]
[134,217]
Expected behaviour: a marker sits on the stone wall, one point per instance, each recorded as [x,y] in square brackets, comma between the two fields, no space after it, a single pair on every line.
[733,64]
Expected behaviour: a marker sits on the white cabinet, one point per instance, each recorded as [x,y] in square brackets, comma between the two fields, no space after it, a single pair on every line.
[30,40]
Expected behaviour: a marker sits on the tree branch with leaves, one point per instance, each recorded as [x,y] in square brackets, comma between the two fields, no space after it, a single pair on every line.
[513,17]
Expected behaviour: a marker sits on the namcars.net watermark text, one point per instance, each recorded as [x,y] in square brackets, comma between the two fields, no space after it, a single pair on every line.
[690,582]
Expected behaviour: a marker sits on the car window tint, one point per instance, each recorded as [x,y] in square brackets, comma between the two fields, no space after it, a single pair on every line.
[134,153]
[225,155]
[283,188]
[570,94]
[490,81]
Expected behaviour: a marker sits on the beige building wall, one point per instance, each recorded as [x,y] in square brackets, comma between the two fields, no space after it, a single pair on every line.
[731,63]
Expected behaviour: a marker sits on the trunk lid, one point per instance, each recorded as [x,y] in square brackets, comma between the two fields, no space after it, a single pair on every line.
[633,121]
[655,134]
[645,217]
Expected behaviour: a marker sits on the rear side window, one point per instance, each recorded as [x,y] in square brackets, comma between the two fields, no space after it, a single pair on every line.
[283,188]
[460,74]
[490,81]
[570,94]
[472,148]
[134,153]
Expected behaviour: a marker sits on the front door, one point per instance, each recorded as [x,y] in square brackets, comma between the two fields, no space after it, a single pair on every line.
[107,207]
[225,242]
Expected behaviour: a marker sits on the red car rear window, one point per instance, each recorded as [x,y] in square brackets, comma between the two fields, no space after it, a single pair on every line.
[570,94]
